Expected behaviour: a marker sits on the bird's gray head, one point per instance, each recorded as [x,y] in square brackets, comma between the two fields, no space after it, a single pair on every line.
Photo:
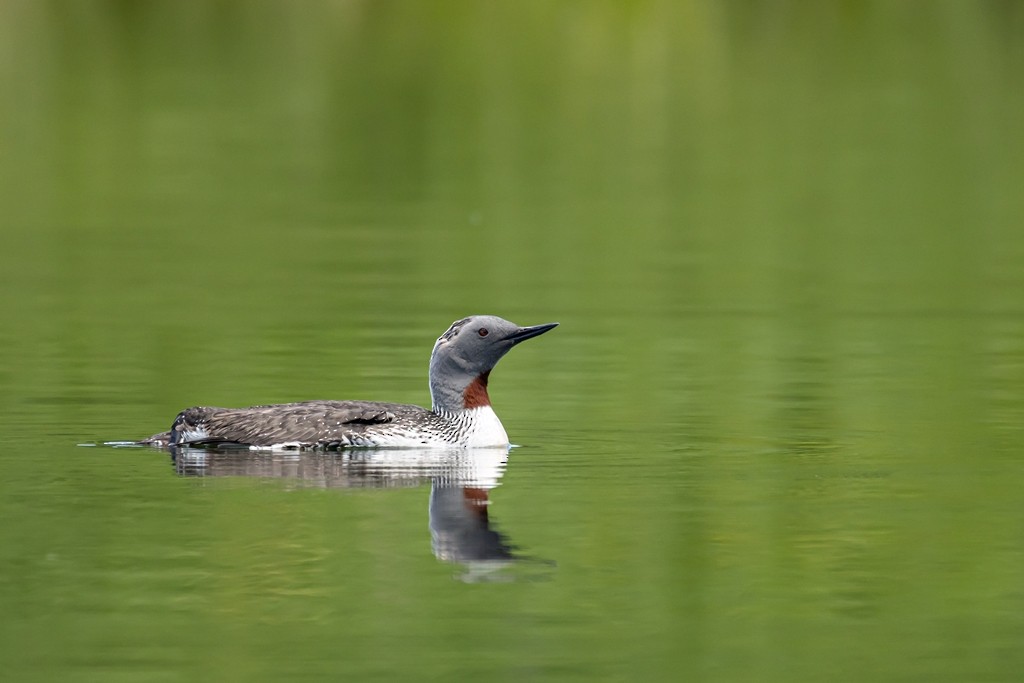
[465,354]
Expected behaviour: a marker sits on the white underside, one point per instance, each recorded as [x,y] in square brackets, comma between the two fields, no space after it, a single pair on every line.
[485,429]
[478,428]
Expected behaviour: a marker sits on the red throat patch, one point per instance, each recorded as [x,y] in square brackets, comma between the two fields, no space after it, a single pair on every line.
[475,395]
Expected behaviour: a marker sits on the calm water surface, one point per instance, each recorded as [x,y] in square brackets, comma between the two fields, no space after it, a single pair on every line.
[777,437]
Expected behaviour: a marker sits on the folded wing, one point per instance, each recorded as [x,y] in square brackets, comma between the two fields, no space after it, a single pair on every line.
[306,424]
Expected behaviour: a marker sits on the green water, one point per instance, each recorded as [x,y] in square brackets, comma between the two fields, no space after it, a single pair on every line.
[779,435]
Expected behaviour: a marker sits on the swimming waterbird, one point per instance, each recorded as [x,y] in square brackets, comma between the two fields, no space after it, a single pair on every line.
[461,413]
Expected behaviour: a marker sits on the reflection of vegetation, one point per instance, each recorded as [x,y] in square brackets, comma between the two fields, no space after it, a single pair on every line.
[776,438]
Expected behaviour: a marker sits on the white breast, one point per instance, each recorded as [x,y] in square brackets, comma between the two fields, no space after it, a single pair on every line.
[483,429]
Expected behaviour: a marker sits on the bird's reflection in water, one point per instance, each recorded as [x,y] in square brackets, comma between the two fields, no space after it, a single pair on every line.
[460,485]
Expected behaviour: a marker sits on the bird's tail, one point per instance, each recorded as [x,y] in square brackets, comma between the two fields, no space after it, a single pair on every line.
[161,440]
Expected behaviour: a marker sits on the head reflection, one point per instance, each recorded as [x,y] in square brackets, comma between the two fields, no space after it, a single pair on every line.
[460,528]
[460,485]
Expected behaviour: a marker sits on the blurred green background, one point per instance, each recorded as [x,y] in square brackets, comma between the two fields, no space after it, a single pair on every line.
[777,437]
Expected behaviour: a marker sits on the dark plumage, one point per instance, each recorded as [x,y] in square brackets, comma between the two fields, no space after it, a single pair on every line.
[309,424]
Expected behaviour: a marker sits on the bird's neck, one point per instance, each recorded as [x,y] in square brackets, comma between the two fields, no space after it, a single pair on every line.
[454,397]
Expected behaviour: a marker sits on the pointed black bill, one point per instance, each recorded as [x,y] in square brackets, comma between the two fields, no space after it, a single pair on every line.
[524,333]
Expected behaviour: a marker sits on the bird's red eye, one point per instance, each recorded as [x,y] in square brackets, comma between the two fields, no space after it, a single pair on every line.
[482,332]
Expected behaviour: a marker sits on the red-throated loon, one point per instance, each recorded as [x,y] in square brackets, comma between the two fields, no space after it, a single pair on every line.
[461,414]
